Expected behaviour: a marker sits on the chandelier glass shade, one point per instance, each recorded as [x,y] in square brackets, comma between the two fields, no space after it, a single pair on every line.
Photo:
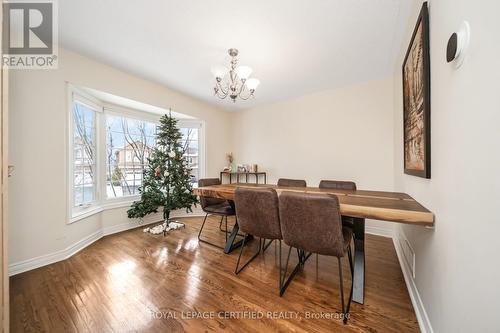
[234,81]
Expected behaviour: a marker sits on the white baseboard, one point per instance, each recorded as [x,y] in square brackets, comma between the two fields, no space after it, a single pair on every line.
[418,305]
[27,265]
[114,229]
[47,259]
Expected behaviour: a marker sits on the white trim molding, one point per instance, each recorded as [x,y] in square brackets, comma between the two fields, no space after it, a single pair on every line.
[27,265]
[423,319]
[47,259]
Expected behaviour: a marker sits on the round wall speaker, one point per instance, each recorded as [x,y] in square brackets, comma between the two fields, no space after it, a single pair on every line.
[451,49]
[458,45]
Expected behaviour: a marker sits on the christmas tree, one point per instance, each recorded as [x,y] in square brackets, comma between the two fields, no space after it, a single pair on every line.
[166,179]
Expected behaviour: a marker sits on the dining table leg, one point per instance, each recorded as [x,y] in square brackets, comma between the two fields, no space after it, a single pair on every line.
[359,261]
[231,244]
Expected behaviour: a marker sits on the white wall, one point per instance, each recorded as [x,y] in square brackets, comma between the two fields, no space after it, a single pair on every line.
[38,147]
[350,133]
[457,265]
[342,134]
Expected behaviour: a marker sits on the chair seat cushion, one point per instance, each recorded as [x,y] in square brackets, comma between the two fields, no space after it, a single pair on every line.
[220,209]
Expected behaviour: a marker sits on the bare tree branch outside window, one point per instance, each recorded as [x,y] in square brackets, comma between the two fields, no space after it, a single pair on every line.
[129,145]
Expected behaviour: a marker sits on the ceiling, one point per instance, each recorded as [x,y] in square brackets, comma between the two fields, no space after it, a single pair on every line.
[294,46]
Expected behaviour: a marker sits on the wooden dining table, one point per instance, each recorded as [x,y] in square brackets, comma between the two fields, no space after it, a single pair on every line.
[359,204]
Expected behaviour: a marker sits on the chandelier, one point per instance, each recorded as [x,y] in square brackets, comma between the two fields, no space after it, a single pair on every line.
[234,82]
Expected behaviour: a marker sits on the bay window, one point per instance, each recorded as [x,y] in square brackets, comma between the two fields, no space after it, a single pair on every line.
[109,150]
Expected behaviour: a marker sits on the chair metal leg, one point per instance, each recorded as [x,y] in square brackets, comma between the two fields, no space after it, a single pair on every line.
[302,260]
[302,256]
[202,225]
[345,310]
[204,241]
[265,246]
[279,285]
[225,233]
[220,224]
[341,285]
[237,271]
[349,254]
[282,282]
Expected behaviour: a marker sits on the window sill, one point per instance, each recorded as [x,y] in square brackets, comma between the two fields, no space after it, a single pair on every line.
[119,203]
[85,213]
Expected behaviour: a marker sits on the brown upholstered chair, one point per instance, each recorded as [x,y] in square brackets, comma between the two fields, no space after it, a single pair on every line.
[347,221]
[291,182]
[214,206]
[337,184]
[257,210]
[322,234]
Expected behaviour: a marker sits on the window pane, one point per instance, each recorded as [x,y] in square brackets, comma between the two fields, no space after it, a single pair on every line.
[84,155]
[78,196]
[88,115]
[129,142]
[150,129]
[190,143]
[88,193]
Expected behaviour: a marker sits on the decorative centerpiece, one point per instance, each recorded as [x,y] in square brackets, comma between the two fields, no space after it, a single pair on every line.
[232,166]
[166,179]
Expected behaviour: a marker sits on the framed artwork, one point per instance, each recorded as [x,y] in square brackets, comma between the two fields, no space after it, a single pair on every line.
[416,100]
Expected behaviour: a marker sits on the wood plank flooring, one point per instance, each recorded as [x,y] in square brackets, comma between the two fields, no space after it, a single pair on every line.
[136,282]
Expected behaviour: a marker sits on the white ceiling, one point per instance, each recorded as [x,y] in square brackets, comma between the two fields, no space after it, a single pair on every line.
[294,46]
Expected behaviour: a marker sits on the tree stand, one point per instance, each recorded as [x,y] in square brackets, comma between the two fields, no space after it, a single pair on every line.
[167,221]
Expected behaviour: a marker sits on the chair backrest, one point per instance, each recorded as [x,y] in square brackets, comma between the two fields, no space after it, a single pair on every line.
[291,182]
[257,210]
[337,184]
[208,201]
[312,222]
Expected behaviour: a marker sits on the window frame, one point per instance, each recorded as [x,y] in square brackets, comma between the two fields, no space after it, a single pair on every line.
[77,212]
[200,125]
[102,202]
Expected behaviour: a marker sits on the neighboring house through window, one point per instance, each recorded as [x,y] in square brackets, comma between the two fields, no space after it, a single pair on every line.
[129,143]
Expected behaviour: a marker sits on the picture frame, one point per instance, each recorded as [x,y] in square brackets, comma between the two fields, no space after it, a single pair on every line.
[416,100]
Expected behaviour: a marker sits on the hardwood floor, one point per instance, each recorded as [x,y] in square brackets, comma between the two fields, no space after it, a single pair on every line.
[133,281]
